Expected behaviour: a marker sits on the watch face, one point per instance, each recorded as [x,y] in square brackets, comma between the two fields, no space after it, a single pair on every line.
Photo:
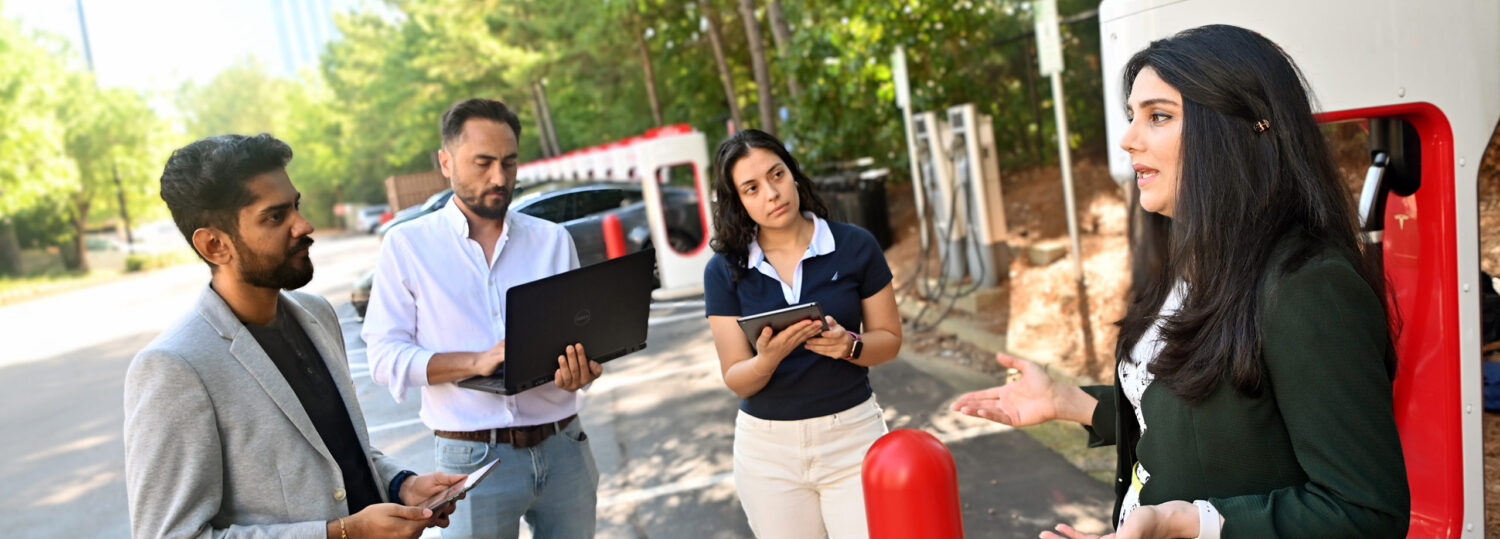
[859,346]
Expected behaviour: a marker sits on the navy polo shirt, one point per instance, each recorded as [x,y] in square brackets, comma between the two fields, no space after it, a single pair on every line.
[806,384]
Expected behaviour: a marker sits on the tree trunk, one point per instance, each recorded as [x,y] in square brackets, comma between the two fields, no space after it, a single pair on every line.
[783,36]
[10,248]
[541,92]
[725,77]
[124,213]
[640,43]
[758,62]
[1038,148]
[541,125]
[76,256]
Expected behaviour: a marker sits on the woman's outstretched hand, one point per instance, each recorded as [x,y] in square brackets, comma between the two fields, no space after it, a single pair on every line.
[1032,398]
[1163,521]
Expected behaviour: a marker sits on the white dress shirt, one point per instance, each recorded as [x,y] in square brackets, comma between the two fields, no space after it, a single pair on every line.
[435,292]
[821,244]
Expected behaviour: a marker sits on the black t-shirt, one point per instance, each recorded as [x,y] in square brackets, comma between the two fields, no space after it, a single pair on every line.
[300,363]
[805,384]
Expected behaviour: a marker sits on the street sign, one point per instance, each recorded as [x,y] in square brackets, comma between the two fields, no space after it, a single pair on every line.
[898,75]
[1048,37]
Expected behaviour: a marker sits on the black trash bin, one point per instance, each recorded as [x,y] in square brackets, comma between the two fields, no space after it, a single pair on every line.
[858,197]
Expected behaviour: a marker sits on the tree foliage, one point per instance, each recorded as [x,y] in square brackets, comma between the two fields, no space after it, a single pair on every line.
[394,75]
[32,163]
[371,109]
[65,142]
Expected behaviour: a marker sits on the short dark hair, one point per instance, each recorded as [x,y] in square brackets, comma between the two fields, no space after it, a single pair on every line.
[203,183]
[478,107]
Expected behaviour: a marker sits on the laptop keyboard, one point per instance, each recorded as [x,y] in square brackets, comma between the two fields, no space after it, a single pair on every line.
[493,382]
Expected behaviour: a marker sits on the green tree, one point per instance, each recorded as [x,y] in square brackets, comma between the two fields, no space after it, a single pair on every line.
[243,99]
[32,164]
[246,99]
[374,110]
[108,138]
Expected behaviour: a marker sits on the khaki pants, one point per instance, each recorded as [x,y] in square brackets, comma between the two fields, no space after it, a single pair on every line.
[801,479]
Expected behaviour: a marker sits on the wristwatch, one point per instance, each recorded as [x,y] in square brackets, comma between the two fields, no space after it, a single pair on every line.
[855,348]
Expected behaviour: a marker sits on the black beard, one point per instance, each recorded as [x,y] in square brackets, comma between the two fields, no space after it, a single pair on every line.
[476,203]
[286,274]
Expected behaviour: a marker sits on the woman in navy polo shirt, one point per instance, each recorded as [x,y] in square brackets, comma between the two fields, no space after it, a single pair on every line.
[808,414]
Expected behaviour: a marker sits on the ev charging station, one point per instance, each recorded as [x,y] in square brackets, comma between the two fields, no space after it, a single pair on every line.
[681,273]
[1424,77]
[647,159]
[976,167]
[935,166]
[960,181]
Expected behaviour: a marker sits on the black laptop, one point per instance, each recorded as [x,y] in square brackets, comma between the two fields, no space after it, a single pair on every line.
[604,306]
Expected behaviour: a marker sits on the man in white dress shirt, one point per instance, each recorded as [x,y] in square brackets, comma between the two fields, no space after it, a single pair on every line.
[437,315]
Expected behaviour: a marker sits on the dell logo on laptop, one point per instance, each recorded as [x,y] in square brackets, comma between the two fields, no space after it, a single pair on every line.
[581,318]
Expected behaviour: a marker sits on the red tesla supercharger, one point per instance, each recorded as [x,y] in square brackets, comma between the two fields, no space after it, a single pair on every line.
[1423,79]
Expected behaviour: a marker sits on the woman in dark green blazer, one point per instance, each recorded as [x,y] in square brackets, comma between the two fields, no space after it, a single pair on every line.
[1252,393]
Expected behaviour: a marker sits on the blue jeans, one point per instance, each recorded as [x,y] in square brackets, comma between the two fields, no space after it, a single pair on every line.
[554,486]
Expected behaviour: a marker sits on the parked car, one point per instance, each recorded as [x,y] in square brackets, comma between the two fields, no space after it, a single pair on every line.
[580,207]
[432,204]
[368,217]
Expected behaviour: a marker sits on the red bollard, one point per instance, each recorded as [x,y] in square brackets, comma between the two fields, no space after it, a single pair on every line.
[614,237]
[911,488]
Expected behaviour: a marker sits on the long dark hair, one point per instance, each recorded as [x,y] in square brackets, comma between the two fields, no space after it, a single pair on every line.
[733,227]
[1241,191]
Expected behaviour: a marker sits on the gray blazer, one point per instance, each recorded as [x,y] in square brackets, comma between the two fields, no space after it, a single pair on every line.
[216,442]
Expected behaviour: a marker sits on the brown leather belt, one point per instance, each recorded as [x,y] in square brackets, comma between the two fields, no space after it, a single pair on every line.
[517,437]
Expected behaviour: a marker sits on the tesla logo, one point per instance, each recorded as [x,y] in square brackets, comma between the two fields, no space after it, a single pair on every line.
[1401,220]
[581,318]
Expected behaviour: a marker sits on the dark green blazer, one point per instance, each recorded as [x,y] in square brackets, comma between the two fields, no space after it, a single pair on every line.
[1315,454]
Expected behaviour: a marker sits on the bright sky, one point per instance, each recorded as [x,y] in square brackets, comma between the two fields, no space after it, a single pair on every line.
[159,44]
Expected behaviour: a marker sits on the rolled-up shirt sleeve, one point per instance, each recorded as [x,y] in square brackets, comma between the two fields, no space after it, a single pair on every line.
[390,329]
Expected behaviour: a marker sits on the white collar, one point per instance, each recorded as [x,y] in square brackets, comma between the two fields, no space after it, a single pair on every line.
[458,222]
[821,244]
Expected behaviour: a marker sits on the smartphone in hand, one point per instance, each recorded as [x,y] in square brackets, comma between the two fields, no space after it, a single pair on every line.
[452,493]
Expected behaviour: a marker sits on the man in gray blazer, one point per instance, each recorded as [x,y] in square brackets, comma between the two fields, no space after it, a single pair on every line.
[241,418]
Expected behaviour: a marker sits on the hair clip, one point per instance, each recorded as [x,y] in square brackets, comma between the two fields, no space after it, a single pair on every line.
[1262,126]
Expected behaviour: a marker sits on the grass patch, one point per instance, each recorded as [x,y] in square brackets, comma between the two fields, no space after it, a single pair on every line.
[16,289]
[144,262]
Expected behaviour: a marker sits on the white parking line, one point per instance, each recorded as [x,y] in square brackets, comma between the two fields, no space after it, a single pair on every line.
[673,318]
[677,304]
[396,425]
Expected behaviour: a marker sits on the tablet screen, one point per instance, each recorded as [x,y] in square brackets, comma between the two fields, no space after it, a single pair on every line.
[780,319]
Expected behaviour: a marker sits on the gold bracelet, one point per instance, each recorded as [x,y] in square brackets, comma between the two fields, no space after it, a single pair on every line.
[343,533]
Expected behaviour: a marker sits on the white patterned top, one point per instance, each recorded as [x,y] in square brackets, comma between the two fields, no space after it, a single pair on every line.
[1135,378]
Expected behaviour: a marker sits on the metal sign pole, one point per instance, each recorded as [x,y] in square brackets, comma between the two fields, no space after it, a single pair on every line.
[903,100]
[1049,56]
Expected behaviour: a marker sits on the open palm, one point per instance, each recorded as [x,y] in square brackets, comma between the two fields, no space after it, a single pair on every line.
[1027,400]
